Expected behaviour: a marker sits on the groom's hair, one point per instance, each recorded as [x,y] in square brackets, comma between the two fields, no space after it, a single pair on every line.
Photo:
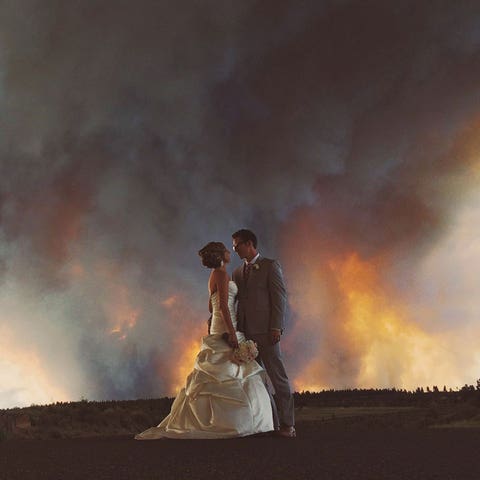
[245,235]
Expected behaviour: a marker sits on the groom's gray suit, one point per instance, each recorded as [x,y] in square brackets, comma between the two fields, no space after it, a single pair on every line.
[261,305]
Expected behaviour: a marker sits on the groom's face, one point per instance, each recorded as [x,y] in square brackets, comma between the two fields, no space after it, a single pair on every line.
[241,247]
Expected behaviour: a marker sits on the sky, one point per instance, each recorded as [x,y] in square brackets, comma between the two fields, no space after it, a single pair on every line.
[344,133]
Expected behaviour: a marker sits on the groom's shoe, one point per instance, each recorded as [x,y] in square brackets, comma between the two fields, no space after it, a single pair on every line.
[287,432]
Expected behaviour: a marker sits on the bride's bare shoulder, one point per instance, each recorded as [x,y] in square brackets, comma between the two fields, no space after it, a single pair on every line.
[220,274]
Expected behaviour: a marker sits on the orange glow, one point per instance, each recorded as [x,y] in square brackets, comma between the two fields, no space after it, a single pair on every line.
[392,350]
[353,328]
[186,361]
[170,301]
[121,313]
[124,316]
[365,336]
[185,329]
[62,219]
[76,270]
[22,370]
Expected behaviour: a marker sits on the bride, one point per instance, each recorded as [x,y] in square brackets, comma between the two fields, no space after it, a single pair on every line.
[221,399]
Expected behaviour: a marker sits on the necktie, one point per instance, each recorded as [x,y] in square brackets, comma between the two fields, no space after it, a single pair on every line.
[247,270]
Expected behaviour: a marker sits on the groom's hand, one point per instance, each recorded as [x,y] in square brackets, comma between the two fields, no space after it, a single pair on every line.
[275,335]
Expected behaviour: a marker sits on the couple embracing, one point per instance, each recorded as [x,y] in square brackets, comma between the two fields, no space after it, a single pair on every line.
[224,398]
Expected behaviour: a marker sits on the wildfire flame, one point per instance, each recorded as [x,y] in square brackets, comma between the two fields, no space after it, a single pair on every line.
[188,351]
[185,332]
[367,339]
[393,351]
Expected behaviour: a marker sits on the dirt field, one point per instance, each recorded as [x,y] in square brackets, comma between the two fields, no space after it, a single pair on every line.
[321,451]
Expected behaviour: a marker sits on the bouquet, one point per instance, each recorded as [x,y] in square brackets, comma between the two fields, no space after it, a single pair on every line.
[245,352]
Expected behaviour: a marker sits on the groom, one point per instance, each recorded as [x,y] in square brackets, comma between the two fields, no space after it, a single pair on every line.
[260,315]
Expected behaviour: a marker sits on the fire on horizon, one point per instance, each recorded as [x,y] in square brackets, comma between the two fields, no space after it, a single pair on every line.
[345,134]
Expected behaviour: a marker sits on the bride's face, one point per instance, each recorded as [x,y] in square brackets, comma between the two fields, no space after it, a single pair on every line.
[226,256]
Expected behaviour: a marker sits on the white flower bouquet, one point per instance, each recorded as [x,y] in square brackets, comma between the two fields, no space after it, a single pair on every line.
[245,352]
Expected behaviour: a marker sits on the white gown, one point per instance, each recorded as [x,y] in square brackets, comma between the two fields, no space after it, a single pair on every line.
[220,399]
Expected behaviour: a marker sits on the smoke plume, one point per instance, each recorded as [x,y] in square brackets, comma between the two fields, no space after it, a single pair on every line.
[344,133]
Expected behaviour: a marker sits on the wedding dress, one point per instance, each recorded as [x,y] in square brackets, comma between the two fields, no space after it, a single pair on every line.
[220,399]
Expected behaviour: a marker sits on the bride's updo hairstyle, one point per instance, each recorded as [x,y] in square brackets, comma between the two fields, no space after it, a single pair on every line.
[212,254]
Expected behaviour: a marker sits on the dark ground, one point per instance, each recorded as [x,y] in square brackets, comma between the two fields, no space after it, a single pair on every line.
[320,451]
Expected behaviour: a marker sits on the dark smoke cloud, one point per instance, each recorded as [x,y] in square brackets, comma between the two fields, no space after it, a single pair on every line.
[132,134]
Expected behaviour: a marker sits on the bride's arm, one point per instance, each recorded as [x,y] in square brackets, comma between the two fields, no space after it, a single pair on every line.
[210,309]
[222,287]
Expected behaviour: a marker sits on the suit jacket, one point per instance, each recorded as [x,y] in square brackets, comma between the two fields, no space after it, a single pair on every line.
[261,301]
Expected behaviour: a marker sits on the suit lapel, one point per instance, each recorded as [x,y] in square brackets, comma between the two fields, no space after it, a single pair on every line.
[241,277]
[253,273]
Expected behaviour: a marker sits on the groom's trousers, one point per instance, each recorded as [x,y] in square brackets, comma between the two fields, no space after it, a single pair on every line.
[270,357]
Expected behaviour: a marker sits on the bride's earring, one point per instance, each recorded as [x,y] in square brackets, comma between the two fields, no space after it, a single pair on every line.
[222,263]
